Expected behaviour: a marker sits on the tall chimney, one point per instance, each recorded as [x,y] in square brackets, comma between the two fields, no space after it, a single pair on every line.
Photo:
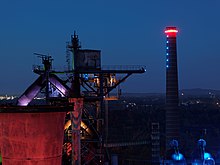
[172,96]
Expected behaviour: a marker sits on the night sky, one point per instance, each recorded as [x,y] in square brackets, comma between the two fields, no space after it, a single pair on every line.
[128,32]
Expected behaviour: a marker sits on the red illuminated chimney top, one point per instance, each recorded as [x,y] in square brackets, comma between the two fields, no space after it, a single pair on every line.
[171,31]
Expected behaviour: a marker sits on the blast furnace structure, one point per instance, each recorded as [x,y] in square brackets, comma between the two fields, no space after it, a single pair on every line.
[83,90]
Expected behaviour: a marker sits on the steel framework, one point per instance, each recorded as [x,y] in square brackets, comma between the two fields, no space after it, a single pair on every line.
[88,86]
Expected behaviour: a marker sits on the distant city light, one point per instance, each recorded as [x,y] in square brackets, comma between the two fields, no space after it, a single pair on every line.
[6,97]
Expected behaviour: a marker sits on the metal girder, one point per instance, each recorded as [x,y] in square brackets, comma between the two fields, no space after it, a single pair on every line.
[32,91]
[38,85]
[119,82]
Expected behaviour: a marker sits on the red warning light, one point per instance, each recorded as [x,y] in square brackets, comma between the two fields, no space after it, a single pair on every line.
[171,31]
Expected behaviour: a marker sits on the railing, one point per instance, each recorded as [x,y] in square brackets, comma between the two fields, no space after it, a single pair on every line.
[41,68]
[123,67]
[37,67]
[104,67]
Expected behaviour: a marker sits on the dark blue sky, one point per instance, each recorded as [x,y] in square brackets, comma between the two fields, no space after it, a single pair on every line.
[126,31]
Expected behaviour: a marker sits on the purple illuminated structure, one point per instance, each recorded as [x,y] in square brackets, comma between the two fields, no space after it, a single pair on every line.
[172,98]
[39,84]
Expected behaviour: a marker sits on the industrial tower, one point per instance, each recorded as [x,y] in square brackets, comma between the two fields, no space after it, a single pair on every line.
[85,91]
[172,96]
[94,83]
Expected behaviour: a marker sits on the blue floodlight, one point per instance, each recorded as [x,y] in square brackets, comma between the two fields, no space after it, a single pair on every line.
[178,156]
